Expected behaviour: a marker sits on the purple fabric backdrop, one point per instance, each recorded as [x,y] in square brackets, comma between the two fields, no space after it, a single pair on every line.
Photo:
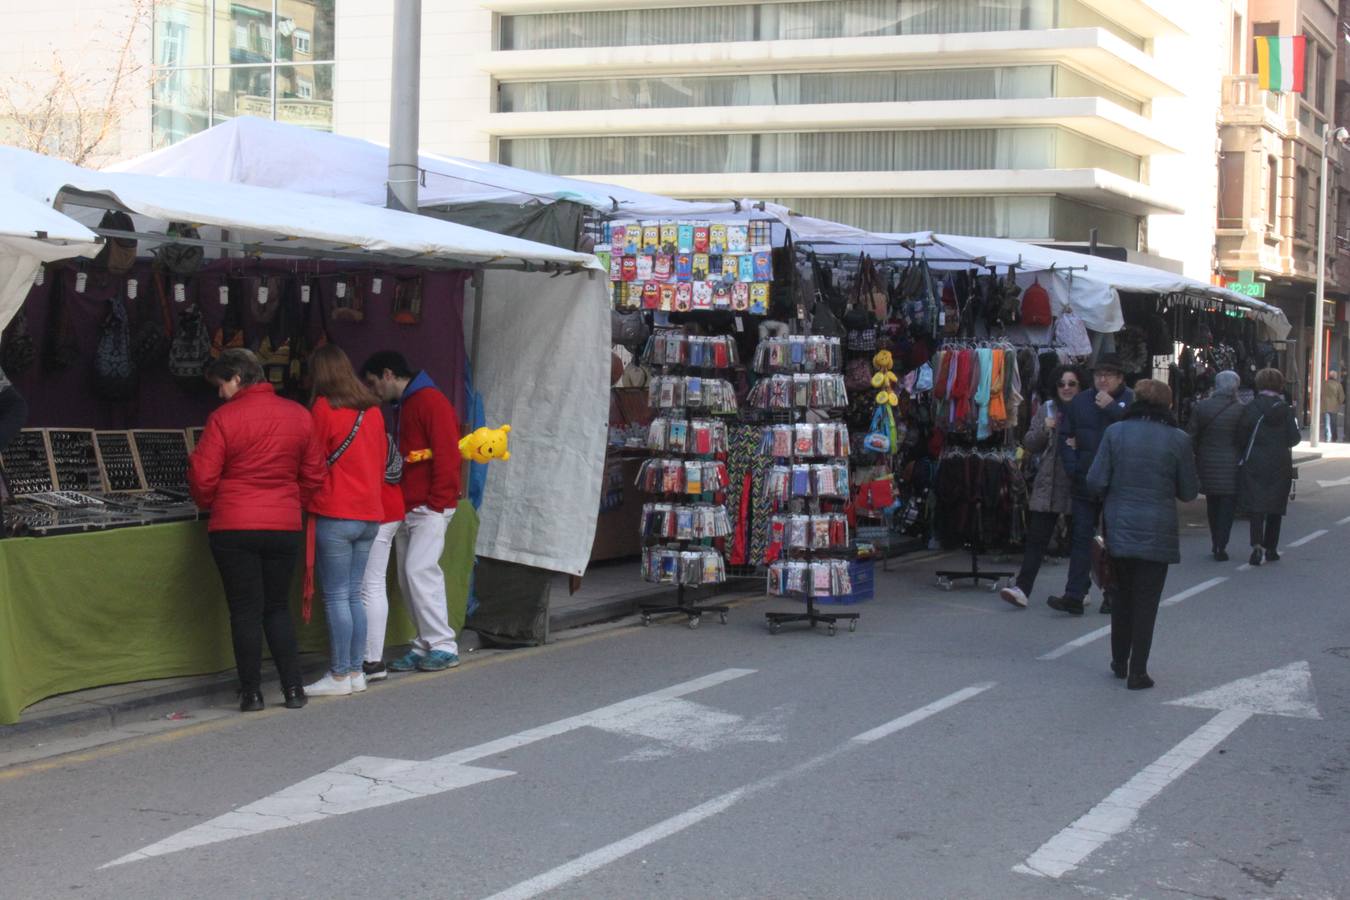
[65,397]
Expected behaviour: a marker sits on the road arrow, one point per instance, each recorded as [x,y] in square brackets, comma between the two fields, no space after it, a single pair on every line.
[1339,482]
[366,782]
[1280,692]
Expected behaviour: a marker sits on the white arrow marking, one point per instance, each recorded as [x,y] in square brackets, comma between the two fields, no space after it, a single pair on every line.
[1099,633]
[1339,482]
[367,782]
[1279,692]
[596,859]
[1308,538]
[680,726]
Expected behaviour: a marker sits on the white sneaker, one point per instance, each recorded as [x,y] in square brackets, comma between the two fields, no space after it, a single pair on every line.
[328,686]
[1014,595]
[357,681]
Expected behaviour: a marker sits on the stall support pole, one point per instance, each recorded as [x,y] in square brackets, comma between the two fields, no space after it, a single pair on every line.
[1340,136]
[404,106]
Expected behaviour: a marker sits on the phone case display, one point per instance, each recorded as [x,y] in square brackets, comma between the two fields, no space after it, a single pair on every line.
[692,568]
[675,521]
[675,266]
[675,348]
[803,480]
[163,456]
[117,459]
[692,392]
[823,439]
[827,531]
[799,353]
[681,476]
[75,460]
[816,578]
[28,464]
[799,391]
[695,436]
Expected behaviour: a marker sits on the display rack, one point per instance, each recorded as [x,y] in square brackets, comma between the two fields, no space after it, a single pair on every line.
[808,482]
[681,524]
[163,456]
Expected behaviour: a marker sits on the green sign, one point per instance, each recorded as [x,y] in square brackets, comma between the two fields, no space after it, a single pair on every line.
[1247,288]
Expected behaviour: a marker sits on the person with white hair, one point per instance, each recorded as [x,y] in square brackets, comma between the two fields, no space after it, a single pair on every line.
[1212,426]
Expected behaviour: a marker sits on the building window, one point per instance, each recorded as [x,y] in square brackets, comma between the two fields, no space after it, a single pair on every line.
[1231,188]
[1301,217]
[1272,194]
[1318,89]
[216,59]
[795,21]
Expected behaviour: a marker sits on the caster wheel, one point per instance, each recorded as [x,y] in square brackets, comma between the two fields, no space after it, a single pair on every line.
[833,630]
[853,625]
[646,621]
[773,628]
[723,617]
[694,621]
[944,584]
[994,588]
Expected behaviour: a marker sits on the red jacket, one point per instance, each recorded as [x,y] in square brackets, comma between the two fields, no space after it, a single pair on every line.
[352,488]
[255,465]
[427,422]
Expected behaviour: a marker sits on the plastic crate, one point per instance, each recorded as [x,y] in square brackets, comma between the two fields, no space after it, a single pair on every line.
[863,575]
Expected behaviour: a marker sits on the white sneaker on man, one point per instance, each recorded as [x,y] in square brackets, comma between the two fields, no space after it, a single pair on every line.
[357,681]
[1013,594]
[328,686]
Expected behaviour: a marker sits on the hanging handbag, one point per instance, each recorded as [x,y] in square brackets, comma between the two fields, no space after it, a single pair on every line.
[876,495]
[879,437]
[393,460]
[408,300]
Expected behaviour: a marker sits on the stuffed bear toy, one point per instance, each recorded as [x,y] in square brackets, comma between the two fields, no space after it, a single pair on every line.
[485,444]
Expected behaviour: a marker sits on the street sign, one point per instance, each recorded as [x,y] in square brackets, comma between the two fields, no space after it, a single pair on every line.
[1248,288]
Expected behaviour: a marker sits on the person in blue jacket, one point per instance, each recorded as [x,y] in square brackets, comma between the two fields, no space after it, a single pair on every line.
[1084,421]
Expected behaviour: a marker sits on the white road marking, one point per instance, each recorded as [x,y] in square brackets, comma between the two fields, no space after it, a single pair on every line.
[682,726]
[1307,539]
[1099,633]
[1283,692]
[366,782]
[597,859]
[1339,482]
[1245,567]
[1344,521]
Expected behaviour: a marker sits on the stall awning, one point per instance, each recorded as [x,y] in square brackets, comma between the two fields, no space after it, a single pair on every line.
[33,228]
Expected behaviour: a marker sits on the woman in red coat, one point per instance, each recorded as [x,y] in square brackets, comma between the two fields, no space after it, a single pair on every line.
[254,468]
[348,509]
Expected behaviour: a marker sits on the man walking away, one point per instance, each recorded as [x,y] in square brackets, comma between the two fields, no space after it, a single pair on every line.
[1084,421]
[428,438]
[1333,401]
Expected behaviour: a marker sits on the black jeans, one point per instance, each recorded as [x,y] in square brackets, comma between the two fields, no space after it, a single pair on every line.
[1266,530]
[256,569]
[1134,610]
[1085,515]
[1040,530]
[1220,508]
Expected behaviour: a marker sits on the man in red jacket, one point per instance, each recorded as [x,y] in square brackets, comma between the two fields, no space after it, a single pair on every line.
[428,438]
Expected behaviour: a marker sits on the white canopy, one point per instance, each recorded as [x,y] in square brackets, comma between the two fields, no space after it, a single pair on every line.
[32,233]
[527,313]
[1090,285]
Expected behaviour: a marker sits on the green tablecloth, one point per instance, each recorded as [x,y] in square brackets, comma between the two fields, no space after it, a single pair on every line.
[87,610]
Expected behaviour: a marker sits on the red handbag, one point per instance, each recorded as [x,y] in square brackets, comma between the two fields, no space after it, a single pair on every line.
[876,495]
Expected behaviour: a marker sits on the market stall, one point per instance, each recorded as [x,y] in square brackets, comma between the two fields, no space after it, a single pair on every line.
[271,257]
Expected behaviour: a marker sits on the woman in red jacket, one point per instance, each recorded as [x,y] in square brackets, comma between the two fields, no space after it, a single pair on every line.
[348,509]
[254,468]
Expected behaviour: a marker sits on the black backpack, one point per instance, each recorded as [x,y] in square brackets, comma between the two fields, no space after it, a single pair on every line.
[114,370]
[190,350]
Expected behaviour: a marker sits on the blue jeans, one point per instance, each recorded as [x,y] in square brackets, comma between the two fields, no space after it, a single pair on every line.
[1086,513]
[341,548]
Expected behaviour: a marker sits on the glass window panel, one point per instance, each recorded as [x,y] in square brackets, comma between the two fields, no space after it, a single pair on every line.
[244,32]
[304,30]
[180,105]
[305,96]
[1069,83]
[1072,221]
[182,33]
[1073,14]
[245,91]
[1232,199]
[1010,217]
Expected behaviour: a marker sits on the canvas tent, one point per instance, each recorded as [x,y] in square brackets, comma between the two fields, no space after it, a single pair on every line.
[537,298]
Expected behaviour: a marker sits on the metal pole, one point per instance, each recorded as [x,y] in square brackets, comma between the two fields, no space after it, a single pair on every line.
[1316,433]
[477,325]
[403,106]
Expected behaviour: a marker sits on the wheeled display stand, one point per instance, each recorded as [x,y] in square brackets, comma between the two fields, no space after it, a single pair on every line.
[945,579]
[694,611]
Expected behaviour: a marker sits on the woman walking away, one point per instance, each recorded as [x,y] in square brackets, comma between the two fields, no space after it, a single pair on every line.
[1050,497]
[349,433]
[1266,435]
[1212,427]
[254,468]
[1145,465]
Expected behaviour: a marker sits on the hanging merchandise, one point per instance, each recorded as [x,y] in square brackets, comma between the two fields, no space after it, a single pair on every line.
[799,391]
[114,370]
[1071,336]
[977,388]
[182,260]
[696,436]
[119,253]
[681,476]
[690,266]
[349,302]
[824,439]
[981,499]
[190,349]
[675,348]
[687,568]
[816,578]
[799,353]
[1036,306]
[713,395]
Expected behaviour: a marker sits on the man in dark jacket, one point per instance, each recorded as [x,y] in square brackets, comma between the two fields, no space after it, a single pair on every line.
[428,438]
[1084,422]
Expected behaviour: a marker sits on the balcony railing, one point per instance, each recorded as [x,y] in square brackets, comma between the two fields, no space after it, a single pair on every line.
[1245,90]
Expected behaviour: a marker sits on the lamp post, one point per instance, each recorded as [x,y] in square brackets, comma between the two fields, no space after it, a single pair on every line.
[1342,137]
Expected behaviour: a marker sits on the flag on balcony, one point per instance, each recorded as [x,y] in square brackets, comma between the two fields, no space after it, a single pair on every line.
[1279,61]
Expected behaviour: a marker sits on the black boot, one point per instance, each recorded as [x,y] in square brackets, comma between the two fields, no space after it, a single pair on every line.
[1140,682]
[250,701]
[1255,558]
[295,697]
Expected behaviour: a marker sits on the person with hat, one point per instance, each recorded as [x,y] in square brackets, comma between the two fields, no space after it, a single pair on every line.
[1085,420]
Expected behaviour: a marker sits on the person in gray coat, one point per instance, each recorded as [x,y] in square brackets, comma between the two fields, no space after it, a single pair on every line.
[1212,427]
[1050,497]
[1265,438]
[1144,466]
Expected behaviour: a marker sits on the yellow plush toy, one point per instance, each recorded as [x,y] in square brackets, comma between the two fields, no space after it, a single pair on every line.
[485,444]
[885,379]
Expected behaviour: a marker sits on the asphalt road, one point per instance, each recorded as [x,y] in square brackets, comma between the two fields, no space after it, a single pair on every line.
[952,747]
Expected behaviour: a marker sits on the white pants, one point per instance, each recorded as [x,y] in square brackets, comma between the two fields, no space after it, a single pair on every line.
[375,591]
[420,541]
